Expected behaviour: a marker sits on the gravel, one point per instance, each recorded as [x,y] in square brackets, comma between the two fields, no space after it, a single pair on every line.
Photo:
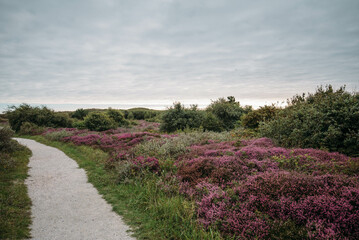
[64,204]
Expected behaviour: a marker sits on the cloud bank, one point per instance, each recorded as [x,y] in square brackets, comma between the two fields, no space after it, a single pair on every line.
[99,52]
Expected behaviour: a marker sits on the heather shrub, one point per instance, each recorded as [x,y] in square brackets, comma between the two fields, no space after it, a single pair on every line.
[227,111]
[267,204]
[263,114]
[327,119]
[42,117]
[96,121]
[179,118]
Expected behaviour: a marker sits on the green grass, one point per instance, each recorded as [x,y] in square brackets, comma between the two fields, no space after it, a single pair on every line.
[15,204]
[150,212]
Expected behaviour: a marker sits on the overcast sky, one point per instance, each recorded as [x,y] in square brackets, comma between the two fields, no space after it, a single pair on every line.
[157,52]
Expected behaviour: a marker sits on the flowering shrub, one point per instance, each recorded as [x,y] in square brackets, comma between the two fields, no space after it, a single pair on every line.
[247,189]
[149,163]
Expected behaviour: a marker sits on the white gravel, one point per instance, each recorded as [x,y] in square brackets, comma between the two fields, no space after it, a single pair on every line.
[65,205]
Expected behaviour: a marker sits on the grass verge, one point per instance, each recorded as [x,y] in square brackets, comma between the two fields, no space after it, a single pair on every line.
[150,212]
[15,204]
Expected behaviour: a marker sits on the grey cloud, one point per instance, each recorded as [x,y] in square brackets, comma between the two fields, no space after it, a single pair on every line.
[118,51]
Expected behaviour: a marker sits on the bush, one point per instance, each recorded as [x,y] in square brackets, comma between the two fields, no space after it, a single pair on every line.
[6,145]
[212,123]
[7,148]
[42,117]
[327,119]
[179,118]
[117,116]
[80,113]
[28,128]
[96,121]
[263,114]
[227,111]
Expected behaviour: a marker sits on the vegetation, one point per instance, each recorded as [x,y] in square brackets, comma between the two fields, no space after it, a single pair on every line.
[179,118]
[327,119]
[97,121]
[207,185]
[80,113]
[228,112]
[14,202]
[117,116]
[142,202]
[39,116]
[262,114]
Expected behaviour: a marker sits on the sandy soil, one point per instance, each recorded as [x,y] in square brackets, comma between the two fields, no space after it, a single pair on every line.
[65,205]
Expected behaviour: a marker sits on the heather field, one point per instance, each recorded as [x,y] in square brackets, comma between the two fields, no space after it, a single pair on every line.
[239,187]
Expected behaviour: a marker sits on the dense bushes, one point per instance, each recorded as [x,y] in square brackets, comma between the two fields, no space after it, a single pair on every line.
[179,118]
[228,112]
[220,115]
[327,119]
[117,116]
[141,114]
[40,116]
[80,113]
[262,114]
[97,121]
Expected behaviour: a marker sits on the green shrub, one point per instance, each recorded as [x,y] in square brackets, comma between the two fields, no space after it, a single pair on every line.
[28,128]
[263,114]
[165,148]
[7,148]
[79,125]
[58,135]
[80,113]
[96,121]
[327,119]
[212,123]
[6,145]
[179,118]
[227,111]
[42,117]
[117,116]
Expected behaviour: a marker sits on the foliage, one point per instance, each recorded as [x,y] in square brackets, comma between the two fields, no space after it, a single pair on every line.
[42,117]
[141,201]
[117,116]
[141,113]
[212,123]
[96,121]
[80,113]
[178,117]
[263,114]
[28,128]
[14,202]
[227,111]
[327,119]
[240,188]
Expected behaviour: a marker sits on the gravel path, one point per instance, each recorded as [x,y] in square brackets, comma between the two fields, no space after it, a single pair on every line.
[65,205]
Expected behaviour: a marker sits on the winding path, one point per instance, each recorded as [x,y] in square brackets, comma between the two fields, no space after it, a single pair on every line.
[64,204]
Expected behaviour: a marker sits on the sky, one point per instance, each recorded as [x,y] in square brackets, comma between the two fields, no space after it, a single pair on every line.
[157,52]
